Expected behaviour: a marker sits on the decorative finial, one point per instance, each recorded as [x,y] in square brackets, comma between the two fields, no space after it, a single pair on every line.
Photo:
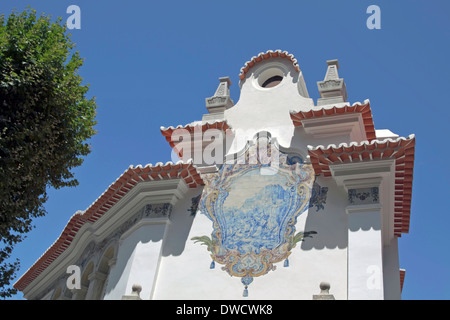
[332,89]
[135,293]
[324,292]
[333,62]
[136,289]
[324,288]
[221,100]
[223,89]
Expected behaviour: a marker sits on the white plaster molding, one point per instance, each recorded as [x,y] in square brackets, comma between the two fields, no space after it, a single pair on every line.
[149,192]
[141,223]
[368,174]
[163,191]
[208,169]
[350,124]
[362,183]
[268,70]
[363,208]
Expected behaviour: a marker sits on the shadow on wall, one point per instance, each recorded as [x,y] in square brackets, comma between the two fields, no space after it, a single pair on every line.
[172,236]
[181,222]
[118,275]
[329,221]
[365,222]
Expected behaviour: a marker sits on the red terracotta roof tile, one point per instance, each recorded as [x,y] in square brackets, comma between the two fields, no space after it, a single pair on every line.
[364,109]
[402,278]
[116,191]
[192,128]
[267,55]
[401,150]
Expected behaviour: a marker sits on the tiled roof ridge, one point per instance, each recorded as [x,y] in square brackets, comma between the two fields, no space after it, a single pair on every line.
[204,125]
[400,149]
[362,143]
[195,124]
[333,106]
[267,55]
[363,108]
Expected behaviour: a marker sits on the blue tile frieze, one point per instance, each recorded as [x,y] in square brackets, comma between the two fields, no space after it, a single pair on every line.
[254,213]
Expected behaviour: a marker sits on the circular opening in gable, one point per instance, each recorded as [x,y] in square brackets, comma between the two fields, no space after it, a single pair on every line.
[270,78]
[272,82]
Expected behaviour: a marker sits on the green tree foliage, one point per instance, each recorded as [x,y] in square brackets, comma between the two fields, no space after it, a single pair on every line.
[45,121]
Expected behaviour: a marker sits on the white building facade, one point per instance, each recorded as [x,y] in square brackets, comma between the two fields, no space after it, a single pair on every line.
[273,196]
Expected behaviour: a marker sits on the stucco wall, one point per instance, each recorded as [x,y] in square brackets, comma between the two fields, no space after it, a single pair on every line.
[163,257]
[187,274]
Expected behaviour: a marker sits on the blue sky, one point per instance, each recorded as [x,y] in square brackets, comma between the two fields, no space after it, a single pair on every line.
[152,63]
